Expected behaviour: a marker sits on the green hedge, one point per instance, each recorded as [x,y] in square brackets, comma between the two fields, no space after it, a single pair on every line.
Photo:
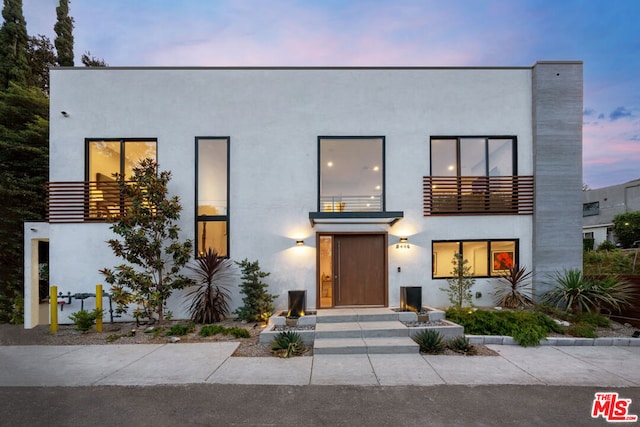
[526,327]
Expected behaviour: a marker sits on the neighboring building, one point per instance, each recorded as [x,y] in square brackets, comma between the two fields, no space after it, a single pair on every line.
[601,205]
[348,183]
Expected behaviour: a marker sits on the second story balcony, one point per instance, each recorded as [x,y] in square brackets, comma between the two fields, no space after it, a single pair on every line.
[478,195]
[83,201]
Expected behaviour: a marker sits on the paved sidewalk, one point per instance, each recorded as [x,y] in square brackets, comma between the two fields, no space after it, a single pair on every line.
[48,366]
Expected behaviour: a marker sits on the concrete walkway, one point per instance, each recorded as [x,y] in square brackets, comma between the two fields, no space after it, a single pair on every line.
[201,363]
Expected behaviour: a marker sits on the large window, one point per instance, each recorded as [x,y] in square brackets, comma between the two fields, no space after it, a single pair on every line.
[351,174]
[106,157]
[485,258]
[212,195]
[473,156]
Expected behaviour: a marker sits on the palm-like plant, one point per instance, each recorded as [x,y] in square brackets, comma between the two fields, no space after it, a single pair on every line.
[570,290]
[618,292]
[210,299]
[513,288]
[575,292]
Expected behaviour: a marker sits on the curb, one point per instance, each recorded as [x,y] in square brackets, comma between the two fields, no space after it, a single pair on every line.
[557,341]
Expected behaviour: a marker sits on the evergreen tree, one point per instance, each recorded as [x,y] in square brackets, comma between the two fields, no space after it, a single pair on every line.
[13,45]
[258,303]
[64,35]
[24,131]
[41,56]
[91,61]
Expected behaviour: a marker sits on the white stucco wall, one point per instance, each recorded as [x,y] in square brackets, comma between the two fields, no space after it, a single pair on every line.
[273,118]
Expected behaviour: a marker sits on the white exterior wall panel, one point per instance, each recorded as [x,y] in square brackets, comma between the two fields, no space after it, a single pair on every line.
[273,118]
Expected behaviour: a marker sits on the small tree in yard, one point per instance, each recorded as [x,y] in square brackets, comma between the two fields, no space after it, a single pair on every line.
[626,227]
[258,303]
[150,244]
[460,284]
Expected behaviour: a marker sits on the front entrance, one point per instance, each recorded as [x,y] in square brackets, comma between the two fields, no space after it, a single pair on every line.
[352,270]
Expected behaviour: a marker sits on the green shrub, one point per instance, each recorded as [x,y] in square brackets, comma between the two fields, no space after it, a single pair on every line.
[257,301]
[239,332]
[461,344]
[288,344]
[430,341]
[84,319]
[587,244]
[582,329]
[528,334]
[606,246]
[180,329]
[236,331]
[208,330]
[526,327]
[609,262]
[595,319]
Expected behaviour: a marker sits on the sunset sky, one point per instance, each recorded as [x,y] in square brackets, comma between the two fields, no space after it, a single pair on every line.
[605,34]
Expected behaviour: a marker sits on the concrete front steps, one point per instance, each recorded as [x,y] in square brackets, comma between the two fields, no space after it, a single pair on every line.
[361,331]
[365,331]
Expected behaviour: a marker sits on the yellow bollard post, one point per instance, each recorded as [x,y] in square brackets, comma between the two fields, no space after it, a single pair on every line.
[99,307]
[53,309]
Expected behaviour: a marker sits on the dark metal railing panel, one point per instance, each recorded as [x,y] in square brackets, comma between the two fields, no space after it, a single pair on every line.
[478,195]
[81,201]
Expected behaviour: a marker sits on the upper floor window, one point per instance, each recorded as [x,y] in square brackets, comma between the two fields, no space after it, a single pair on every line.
[105,158]
[212,195]
[351,174]
[590,209]
[473,156]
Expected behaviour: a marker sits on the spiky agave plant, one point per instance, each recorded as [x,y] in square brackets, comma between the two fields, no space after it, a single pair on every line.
[288,344]
[460,344]
[513,288]
[430,341]
[210,299]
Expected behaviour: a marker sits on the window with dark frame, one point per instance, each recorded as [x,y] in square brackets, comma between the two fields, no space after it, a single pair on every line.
[473,156]
[590,209]
[104,159]
[212,195]
[351,174]
[485,258]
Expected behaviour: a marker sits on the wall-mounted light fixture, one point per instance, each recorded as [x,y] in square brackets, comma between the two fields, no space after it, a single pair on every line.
[64,113]
[299,242]
[403,243]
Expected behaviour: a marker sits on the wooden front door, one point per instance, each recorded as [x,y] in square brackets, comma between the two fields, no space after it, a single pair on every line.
[360,269]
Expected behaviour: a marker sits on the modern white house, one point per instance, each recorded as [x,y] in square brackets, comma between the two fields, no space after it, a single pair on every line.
[601,205]
[348,183]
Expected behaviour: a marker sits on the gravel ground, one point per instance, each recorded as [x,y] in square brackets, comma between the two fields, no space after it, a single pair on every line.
[128,333]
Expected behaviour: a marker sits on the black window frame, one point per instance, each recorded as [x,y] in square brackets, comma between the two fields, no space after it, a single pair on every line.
[514,150]
[383,197]
[212,218]
[516,255]
[123,141]
[87,160]
[591,209]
